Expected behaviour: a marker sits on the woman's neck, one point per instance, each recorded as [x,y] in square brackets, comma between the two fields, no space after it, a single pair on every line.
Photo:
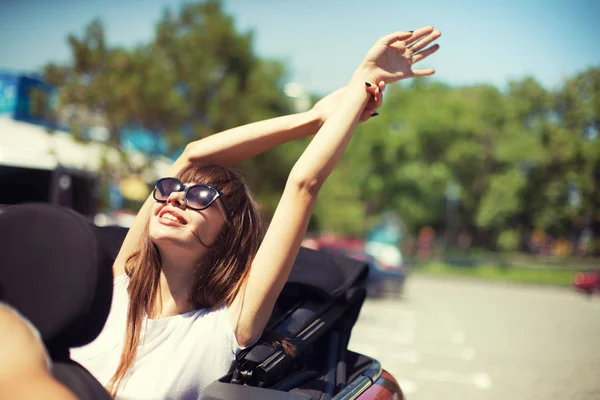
[172,298]
[175,285]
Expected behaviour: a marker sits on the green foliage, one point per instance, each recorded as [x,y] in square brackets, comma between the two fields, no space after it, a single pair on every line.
[340,207]
[515,156]
[532,275]
[502,199]
[508,240]
[197,76]
[521,159]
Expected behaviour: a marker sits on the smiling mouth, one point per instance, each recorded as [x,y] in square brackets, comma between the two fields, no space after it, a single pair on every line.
[171,217]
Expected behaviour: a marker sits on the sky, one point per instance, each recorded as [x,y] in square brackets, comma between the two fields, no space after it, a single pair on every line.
[323,41]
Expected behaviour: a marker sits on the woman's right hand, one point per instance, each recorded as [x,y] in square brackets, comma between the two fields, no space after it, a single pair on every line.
[392,57]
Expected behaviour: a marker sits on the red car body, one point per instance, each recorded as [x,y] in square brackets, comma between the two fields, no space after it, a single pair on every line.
[384,388]
[334,242]
[587,282]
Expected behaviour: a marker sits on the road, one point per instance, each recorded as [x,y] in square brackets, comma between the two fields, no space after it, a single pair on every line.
[456,339]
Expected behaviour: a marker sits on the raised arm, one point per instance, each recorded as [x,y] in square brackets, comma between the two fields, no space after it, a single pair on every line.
[235,145]
[388,61]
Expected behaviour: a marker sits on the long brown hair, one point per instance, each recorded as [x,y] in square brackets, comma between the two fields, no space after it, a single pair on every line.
[219,276]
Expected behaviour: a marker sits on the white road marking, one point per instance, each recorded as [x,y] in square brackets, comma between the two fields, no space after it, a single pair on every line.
[482,380]
[390,334]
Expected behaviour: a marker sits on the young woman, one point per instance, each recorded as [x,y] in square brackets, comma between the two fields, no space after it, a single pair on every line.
[195,279]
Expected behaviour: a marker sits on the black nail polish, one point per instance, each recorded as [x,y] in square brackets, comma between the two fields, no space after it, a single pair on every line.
[374,114]
[368,84]
[411,31]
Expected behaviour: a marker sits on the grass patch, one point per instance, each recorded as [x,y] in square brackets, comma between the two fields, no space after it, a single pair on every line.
[537,276]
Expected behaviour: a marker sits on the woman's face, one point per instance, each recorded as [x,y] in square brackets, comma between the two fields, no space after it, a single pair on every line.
[174,225]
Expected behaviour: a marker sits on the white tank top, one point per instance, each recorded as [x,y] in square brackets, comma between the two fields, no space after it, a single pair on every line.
[177,358]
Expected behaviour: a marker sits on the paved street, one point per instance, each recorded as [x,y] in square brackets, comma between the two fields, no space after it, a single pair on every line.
[453,339]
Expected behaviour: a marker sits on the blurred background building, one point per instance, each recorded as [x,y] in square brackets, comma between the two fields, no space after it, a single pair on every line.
[41,160]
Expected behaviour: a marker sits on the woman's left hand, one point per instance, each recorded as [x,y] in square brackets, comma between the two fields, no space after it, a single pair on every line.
[392,57]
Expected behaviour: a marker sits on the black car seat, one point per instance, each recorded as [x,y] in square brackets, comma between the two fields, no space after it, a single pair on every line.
[56,273]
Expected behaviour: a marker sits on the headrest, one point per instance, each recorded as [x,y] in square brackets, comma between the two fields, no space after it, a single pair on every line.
[111,239]
[55,272]
[326,274]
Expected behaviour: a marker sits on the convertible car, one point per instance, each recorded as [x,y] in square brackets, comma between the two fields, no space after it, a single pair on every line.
[51,249]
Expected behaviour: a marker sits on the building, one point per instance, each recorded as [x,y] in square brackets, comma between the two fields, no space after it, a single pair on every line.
[47,164]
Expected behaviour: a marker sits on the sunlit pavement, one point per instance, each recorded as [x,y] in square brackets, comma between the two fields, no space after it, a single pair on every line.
[454,339]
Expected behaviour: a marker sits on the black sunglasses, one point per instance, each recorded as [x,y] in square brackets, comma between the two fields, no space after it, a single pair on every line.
[196,197]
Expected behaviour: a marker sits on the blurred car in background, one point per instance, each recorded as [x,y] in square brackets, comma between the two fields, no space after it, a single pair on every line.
[382,282]
[334,242]
[587,282]
[385,279]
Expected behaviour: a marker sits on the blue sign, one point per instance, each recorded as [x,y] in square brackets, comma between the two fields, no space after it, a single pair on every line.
[8,94]
[17,98]
[17,102]
[143,141]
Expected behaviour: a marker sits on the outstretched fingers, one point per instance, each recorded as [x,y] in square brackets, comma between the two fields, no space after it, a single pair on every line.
[395,37]
[425,53]
[393,55]
[418,34]
[417,73]
[425,41]
[418,40]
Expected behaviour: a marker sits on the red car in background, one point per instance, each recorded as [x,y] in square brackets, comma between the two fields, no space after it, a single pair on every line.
[587,282]
[334,242]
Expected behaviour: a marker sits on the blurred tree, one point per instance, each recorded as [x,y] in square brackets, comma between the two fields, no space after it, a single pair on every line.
[553,143]
[518,160]
[497,164]
[196,77]
[574,154]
